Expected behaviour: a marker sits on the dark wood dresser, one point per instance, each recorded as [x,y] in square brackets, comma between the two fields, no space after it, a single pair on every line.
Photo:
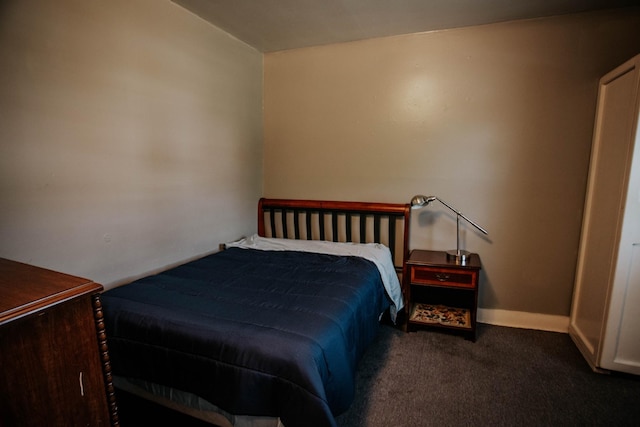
[54,362]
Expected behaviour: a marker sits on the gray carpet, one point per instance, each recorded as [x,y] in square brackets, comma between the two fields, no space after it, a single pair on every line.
[508,377]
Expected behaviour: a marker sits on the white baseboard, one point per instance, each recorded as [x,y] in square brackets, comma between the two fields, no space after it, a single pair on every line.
[521,319]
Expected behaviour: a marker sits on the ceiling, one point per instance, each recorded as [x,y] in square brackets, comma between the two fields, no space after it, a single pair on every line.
[273,25]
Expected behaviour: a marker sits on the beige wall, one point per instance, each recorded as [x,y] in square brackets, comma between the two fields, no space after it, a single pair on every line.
[496,120]
[130,136]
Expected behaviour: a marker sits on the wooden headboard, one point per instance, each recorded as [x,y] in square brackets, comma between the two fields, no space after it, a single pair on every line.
[358,222]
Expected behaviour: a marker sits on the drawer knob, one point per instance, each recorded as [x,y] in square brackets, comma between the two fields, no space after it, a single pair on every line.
[442,277]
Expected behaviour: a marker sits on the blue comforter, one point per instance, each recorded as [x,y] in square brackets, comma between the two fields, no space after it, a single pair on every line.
[254,332]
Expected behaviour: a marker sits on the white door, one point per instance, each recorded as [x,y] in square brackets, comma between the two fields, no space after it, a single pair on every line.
[605,321]
[621,343]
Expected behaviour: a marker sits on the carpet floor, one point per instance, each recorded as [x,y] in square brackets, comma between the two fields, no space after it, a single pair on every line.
[508,377]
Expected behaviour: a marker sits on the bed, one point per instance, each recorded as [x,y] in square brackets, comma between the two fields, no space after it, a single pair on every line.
[269,330]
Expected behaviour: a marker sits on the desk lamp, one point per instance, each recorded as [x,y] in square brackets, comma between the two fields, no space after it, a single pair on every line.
[457,255]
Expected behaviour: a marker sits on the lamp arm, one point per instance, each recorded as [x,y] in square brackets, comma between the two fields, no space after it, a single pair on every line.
[460,214]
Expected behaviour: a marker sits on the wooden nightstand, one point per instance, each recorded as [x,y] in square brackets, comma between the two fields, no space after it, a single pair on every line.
[440,293]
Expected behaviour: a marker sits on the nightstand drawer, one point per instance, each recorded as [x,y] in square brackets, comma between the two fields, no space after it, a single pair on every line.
[443,277]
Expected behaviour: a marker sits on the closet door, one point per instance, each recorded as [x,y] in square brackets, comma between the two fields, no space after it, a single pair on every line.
[606,302]
[621,342]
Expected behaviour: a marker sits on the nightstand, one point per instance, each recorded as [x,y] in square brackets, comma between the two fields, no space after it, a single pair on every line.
[440,293]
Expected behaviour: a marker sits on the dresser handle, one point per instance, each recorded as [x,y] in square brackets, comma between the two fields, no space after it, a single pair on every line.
[442,277]
[81,385]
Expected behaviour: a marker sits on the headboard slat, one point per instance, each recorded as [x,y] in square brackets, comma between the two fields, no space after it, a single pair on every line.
[392,232]
[296,223]
[272,217]
[308,223]
[285,228]
[348,220]
[321,214]
[376,228]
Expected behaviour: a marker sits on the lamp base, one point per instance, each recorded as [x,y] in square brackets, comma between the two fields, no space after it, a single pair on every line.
[460,257]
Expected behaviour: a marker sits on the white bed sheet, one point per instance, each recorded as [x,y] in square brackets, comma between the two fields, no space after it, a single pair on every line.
[377,253]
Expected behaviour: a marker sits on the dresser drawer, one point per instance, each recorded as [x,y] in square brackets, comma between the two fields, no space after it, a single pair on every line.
[443,277]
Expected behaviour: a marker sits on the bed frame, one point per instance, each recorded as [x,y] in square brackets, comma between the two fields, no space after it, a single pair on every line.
[357,222]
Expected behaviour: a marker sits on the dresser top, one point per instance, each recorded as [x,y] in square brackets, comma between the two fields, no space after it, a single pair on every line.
[25,289]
